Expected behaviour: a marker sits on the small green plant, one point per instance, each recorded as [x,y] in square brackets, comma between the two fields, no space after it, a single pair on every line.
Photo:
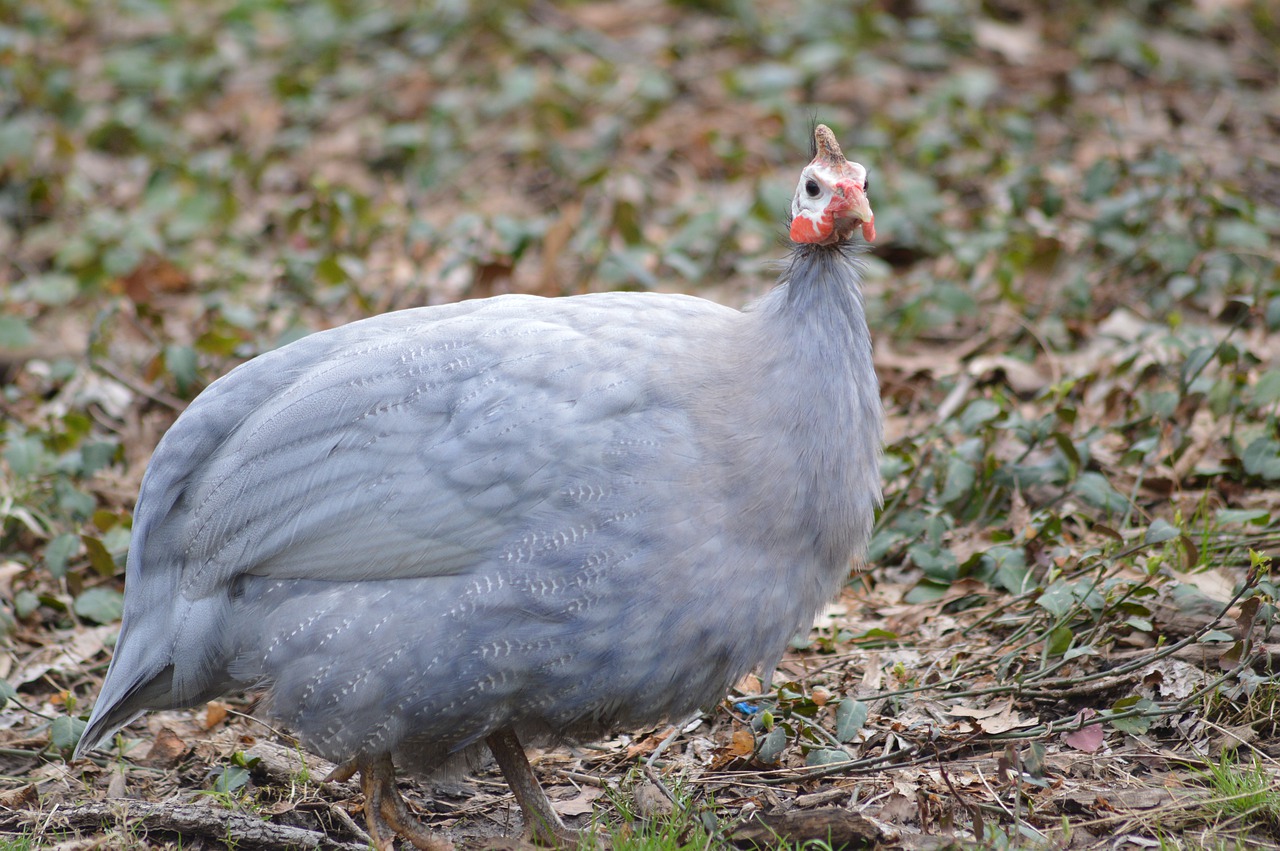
[301,777]
[680,827]
[229,780]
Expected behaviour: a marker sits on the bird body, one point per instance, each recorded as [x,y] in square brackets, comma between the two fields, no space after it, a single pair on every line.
[552,517]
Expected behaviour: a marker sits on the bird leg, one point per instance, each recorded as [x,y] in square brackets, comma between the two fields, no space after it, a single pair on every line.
[384,809]
[541,823]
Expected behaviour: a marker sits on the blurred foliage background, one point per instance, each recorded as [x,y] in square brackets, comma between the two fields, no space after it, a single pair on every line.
[186,184]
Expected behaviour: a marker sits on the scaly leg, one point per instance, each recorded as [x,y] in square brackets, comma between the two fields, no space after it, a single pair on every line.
[384,809]
[541,823]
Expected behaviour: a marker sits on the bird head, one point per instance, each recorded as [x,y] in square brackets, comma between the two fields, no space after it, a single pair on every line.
[831,200]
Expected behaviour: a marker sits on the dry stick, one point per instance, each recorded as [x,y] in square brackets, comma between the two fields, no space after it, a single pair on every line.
[780,776]
[1103,566]
[185,819]
[1042,730]
[116,374]
[1138,664]
[905,490]
[995,796]
[975,812]
[1055,687]
[340,813]
[1161,710]
[253,719]
[1163,809]
[651,772]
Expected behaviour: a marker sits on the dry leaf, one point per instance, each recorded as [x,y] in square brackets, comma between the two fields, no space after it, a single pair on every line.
[1005,722]
[214,714]
[971,712]
[580,804]
[743,742]
[24,798]
[1231,738]
[8,571]
[1025,378]
[1089,737]
[651,802]
[645,746]
[166,750]
[67,653]
[1000,718]
[1017,44]
[898,809]
[118,785]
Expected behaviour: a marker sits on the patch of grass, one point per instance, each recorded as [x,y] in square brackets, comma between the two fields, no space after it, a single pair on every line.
[25,842]
[668,825]
[1244,794]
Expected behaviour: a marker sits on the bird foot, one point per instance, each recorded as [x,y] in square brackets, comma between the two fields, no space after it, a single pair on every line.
[542,824]
[343,773]
[560,836]
[385,810]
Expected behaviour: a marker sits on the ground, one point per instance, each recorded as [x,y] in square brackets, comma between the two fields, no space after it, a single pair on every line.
[1064,635]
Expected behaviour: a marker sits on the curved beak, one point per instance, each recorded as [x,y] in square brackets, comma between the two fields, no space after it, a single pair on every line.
[858,207]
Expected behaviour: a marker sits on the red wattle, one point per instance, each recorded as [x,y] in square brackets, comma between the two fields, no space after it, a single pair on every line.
[806,230]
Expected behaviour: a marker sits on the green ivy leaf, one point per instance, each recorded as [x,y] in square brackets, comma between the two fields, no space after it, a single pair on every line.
[977,413]
[1094,489]
[181,363]
[59,551]
[1159,531]
[51,290]
[15,333]
[65,732]
[1261,458]
[25,602]
[1060,640]
[1267,390]
[24,456]
[851,715]
[1234,516]
[772,745]
[230,778]
[1136,725]
[7,693]
[826,756]
[1057,599]
[960,480]
[100,605]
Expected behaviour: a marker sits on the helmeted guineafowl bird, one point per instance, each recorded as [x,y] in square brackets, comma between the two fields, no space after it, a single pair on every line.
[511,519]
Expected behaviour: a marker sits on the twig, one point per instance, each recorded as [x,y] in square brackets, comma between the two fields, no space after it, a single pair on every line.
[213,823]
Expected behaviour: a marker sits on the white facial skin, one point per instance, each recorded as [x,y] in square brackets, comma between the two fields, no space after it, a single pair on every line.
[830,202]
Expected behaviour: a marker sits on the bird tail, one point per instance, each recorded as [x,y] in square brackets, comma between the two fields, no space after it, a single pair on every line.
[163,660]
[123,700]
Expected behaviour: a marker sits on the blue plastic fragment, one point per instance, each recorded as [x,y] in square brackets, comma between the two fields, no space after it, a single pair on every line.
[746,708]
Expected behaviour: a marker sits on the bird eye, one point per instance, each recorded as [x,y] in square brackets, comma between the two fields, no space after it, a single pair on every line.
[811,187]
[866,185]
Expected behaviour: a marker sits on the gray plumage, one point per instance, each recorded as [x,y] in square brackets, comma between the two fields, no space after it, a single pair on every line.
[558,516]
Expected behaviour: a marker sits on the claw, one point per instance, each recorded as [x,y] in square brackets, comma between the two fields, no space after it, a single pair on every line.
[541,822]
[385,810]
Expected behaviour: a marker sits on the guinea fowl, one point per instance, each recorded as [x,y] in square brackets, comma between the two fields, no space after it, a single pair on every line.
[511,519]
